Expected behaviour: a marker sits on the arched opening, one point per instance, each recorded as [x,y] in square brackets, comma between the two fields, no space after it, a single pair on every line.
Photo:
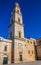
[19,34]
[20,54]
[19,20]
[5,59]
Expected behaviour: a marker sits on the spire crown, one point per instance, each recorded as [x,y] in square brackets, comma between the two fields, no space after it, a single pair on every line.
[16,5]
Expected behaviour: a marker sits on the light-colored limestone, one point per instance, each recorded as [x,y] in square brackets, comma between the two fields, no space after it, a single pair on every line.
[3,43]
[18,45]
[30,50]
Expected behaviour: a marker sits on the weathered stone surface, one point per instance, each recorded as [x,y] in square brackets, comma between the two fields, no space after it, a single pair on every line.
[27,63]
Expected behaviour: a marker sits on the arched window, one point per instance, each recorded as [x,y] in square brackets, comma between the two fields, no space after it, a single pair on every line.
[18,19]
[5,59]
[19,34]
[20,56]
[18,11]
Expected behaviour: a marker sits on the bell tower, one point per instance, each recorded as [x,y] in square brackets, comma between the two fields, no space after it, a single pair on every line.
[16,24]
[16,34]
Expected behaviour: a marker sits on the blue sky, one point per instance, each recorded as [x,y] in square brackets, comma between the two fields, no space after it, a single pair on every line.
[31,11]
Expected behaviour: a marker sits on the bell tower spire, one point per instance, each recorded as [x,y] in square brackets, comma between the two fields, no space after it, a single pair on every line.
[17,7]
[16,23]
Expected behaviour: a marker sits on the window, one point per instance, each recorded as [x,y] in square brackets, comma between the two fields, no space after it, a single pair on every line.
[20,57]
[18,11]
[32,52]
[20,34]
[5,48]
[27,41]
[18,19]
[12,21]
[31,42]
[34,42]
[29,52]
[40,41]
[10,35]
[5,60]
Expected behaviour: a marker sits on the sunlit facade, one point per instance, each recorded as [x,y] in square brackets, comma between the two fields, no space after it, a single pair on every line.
[17,48]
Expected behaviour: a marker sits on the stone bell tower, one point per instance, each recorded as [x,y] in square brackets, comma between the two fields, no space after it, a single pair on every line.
[16,34]
[16,24]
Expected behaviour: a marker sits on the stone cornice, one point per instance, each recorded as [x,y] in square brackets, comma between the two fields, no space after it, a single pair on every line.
[7,41]
[17,38]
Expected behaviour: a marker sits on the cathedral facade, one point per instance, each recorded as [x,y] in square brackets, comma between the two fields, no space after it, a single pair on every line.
[17,48]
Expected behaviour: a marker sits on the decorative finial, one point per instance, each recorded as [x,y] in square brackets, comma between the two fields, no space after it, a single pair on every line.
[17,5]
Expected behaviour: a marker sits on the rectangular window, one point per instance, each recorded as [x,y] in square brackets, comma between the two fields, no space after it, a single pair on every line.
[29,52]
[11,20]
[5,48]
[27,41]
[31,42]
[10,35]
[40,41]
[32,52]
